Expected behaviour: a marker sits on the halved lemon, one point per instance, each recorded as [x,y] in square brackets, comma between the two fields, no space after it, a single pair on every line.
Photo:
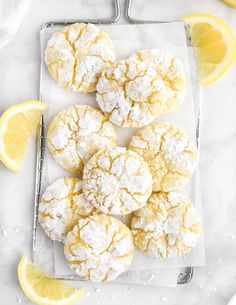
[41,289]
[215,43]
[231,3]
[17,124]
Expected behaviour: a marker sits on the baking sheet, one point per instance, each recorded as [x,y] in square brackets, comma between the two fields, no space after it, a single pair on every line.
[126,39]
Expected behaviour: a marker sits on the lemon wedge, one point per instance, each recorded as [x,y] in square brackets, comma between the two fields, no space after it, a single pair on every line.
[17,124]
[41,289]
[215,43]
[231,3]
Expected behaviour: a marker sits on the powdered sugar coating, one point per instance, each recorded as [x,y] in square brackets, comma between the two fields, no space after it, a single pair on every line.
[170,153]
[62,205]
[131,93]
[171,70]
[117,181]
[77,55]
[167,226]
[99,248]
[76,133]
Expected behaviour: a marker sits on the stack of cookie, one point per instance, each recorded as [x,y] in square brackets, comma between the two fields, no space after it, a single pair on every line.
[141,181]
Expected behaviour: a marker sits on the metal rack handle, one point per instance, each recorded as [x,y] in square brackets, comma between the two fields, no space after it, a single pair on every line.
[130,19]
[115,18]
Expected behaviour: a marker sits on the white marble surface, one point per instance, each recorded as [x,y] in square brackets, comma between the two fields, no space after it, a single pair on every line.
[19,77]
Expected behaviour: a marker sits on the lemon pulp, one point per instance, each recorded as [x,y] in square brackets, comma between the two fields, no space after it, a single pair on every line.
[16,126]
[215,45]
[40,288]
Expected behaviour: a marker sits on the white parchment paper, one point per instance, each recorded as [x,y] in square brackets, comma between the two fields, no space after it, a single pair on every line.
[127,39]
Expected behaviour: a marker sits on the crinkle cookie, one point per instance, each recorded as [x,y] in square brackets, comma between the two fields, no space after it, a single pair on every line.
[167,226]
[77,55]
[131,93]
[117,181]
[99,248]
[170,68]
[76,133]
[170,153]
[62,205]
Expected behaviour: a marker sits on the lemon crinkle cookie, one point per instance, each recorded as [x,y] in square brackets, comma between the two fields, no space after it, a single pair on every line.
[131,93]
[171,70]
[117,181]
[167,226]
[170,153]
[99,248]
[76,133]
[77,55]
[62,205]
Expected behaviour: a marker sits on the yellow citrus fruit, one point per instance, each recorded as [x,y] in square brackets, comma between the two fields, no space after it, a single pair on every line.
[231,3]
[215,45]
[41,289]
[17,124]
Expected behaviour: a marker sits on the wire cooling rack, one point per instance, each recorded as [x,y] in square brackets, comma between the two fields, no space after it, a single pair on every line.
[186,273]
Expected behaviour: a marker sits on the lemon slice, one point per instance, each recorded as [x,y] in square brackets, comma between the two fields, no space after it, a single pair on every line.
[44,290]
[231,3]
[16,125]
[215,42]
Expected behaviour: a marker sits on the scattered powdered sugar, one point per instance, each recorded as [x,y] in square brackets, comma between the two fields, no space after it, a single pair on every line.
[130,92]
[17,230]
[99,248]
[117,181]
[97,290]
[88,294]
[3,231]
[18,300]
[61,206]
[170,153]
[76,133]
[167,226]
[77,55]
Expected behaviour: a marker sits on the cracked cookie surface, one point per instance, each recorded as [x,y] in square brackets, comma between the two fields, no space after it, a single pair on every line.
[77,55]
[170,153]
[99,248]
[171,70]
[167,226]
[62,205]
[117,181]
[76,133]
[131,93]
